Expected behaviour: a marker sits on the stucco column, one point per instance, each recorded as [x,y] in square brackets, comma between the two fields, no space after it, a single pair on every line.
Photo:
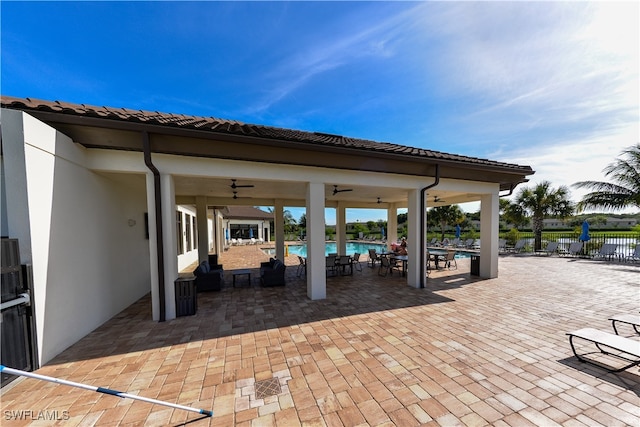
[153,246]
[341,229]
[170,243]
[203,229]
[278,223]
[413,238]
[489,229]
[392,223]
[316,264]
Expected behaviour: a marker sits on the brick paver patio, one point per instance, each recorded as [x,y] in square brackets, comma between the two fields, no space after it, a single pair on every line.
[375,352]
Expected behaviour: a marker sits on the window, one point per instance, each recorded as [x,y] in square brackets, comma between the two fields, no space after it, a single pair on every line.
[179,238]
[187,227]
[195,233]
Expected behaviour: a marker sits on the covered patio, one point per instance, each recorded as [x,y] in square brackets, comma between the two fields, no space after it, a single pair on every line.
[374,352]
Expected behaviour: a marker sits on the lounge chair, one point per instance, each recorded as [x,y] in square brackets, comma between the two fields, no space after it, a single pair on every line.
[519,246]
[607,250]
[551,248]
[630,319]
[575,249]
[625,348]
[502,245]
[635,256]
[469,243]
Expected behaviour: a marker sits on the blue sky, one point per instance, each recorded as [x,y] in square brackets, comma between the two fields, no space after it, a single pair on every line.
[553,85]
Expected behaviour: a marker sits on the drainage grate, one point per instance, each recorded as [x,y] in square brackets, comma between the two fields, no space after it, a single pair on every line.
[266,388]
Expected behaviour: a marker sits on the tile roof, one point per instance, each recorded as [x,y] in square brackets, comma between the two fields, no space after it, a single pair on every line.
[232,127]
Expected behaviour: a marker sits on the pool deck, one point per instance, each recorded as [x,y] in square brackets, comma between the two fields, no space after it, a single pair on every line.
[375,352]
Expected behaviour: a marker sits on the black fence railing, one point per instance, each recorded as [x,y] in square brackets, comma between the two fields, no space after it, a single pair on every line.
[626,241]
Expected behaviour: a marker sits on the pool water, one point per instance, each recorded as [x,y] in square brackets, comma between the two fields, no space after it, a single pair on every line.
[352,248]
[331,248]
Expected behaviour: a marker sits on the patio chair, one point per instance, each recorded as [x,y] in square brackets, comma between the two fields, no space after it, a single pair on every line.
[502,245]
[607,250]
[469,243]
[331,263]
[302,266]
[355,261]
[450,259]
[387,265]
[551,248]
[635,256]
[342,263]
[373,258]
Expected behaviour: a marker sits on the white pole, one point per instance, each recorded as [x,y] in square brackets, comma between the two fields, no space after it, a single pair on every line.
[17,372]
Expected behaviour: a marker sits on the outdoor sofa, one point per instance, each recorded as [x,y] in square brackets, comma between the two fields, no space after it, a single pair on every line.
[272,273]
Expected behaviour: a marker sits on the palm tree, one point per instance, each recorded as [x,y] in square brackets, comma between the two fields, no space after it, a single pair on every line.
[445,215]
[542,202]
[623,192]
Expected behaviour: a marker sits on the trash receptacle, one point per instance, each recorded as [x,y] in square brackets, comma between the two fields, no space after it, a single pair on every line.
[186,296]
[475,265]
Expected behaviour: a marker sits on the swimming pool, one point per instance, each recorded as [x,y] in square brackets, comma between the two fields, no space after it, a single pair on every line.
[331,247]
[352,248]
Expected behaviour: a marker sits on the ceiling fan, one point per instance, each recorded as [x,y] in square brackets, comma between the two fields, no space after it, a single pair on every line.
[437,199]
[234,185]
[336,191]
[379,201]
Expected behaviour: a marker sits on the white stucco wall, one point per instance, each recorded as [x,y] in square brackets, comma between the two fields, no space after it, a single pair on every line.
[82,232]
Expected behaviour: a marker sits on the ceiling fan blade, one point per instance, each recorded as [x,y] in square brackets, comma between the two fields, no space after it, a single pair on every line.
[336,191]
[234,185]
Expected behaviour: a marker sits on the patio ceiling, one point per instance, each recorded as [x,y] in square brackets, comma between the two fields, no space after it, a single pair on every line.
[265,192]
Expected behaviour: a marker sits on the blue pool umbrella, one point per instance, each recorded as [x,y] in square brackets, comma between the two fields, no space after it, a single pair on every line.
[382,231]
[584,237]
[251,233]
[457,231]
[226,233]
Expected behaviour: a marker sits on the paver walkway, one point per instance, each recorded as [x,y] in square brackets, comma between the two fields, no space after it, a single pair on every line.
[375,352]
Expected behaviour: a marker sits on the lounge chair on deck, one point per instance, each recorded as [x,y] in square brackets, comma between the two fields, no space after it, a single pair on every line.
[575,249]
[519,246]
[635,256]
[551,248]
[607,250]
[629,319]
[625,348]
[502,245]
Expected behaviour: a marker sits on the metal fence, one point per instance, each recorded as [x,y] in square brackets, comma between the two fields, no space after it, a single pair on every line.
[626,241]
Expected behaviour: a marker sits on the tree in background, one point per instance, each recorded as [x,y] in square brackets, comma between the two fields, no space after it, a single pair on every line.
[543,201]
[290,224]
[513,213]
[623,192]
[445,215]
